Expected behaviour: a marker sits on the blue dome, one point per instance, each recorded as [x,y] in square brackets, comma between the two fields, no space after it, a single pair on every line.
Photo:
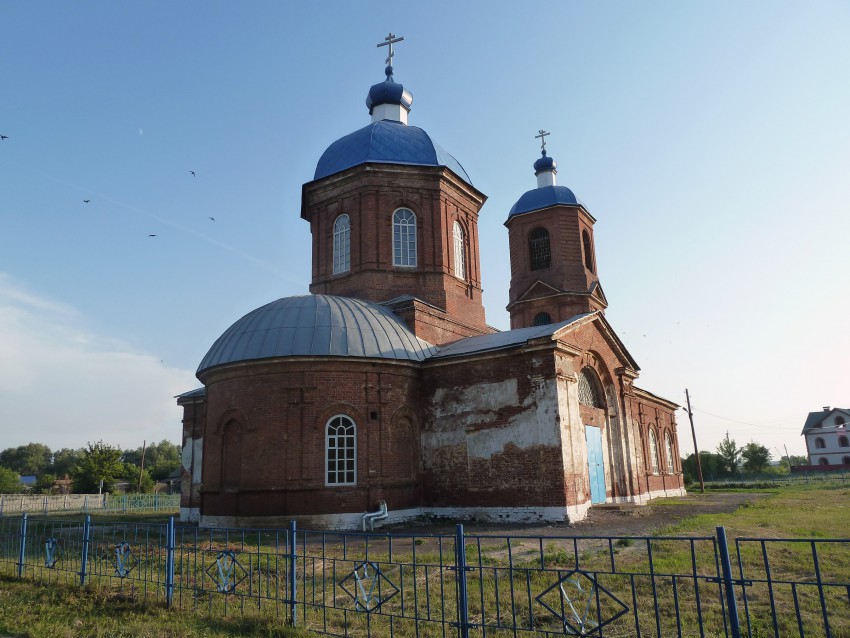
[545,163]
[388,92]
[544,197]
[317,325]
[386,142]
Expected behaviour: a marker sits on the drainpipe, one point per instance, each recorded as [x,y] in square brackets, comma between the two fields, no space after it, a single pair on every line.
[371,517]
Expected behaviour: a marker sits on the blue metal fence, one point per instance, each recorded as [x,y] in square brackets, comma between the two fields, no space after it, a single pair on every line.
[374,584]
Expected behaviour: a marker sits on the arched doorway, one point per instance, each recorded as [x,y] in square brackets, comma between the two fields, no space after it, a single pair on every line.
[591,395]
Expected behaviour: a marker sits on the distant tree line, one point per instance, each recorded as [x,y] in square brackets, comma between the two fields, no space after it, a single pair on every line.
[87,467]
[729,460]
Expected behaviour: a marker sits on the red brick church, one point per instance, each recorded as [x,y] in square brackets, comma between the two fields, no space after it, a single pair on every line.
[385,383]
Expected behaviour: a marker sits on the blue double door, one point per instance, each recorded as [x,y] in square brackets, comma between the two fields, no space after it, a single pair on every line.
[595,465]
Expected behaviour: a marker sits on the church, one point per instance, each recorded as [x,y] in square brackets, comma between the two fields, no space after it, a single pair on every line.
[384,390]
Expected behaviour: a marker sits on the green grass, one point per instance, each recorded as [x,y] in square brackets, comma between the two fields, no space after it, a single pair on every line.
[497,595]
[49,610]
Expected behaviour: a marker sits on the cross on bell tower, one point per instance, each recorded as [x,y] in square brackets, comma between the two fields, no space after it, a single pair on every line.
[388,42]
[542,137]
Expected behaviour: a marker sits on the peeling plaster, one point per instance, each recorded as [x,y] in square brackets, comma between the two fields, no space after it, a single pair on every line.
[191,458]
[482,406]
[537,424]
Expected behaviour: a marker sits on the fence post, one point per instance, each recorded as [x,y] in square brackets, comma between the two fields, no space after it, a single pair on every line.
[85,556]
[1,506]
[46,505]
[293,580]
[124,503]
[169,562]
[23,548]
[86,503]
[156,502]
[460,566]
[728,583]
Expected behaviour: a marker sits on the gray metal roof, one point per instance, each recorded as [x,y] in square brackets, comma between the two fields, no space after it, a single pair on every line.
[816,418]
[386,142]
[317,325]
[502,340]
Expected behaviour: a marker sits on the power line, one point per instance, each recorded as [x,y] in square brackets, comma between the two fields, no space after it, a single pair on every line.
[755,425]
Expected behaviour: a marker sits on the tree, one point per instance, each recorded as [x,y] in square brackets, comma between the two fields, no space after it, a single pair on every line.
[730,454]
[64,461]
[10,481]
[31,459]
[712,466]
[98,462]
[756,457]
[161,459]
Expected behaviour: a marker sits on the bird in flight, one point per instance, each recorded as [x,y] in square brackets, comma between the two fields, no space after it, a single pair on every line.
[4,137]
[151,235]
[193,173]
[212,218]
[86,201]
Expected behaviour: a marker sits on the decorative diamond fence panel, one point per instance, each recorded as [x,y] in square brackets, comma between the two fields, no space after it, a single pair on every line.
[374,584]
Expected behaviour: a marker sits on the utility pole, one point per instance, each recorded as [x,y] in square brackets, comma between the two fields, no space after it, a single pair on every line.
[696,449]
[787,456]
[142,468]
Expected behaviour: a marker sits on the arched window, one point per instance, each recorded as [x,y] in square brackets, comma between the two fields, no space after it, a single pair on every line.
[542,319]
[843,441]
[342,244]
[819,443]
[341,451]
[653,451]
[404,237]
[839,420]
[668,448]
[845,460]
[590,390]
[588,254]
[538,248]
[823,461]
[460,261]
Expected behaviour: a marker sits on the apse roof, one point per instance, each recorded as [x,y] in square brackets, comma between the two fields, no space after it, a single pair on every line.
[387,142]
[317,325]
[544,197]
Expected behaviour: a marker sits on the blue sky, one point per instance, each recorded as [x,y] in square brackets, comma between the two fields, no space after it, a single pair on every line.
[710,140]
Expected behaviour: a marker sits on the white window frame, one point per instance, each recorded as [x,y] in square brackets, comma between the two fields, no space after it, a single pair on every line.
[668,449]
[332,448]
[404,238]
[342,244]
[460,250]
[653,451]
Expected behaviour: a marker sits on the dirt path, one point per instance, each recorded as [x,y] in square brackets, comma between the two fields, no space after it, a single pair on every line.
[641,520]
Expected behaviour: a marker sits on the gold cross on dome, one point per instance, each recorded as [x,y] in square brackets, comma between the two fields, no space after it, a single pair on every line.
[388,42]
[542,137]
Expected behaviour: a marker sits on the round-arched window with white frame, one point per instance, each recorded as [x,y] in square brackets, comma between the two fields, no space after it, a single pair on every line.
[340,451]
[668,448]
[653,451]
[342,244]
[404,238]
[459,251]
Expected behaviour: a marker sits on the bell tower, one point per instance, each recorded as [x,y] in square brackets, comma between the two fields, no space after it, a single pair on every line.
[553,259]
[394,220]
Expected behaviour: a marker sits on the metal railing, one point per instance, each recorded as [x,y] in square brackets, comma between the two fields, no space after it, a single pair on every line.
[375,584]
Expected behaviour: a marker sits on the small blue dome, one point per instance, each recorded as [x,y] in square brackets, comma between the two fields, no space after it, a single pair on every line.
[320,326]
[386,142]
[545,163]
[544,197]
[388,92]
